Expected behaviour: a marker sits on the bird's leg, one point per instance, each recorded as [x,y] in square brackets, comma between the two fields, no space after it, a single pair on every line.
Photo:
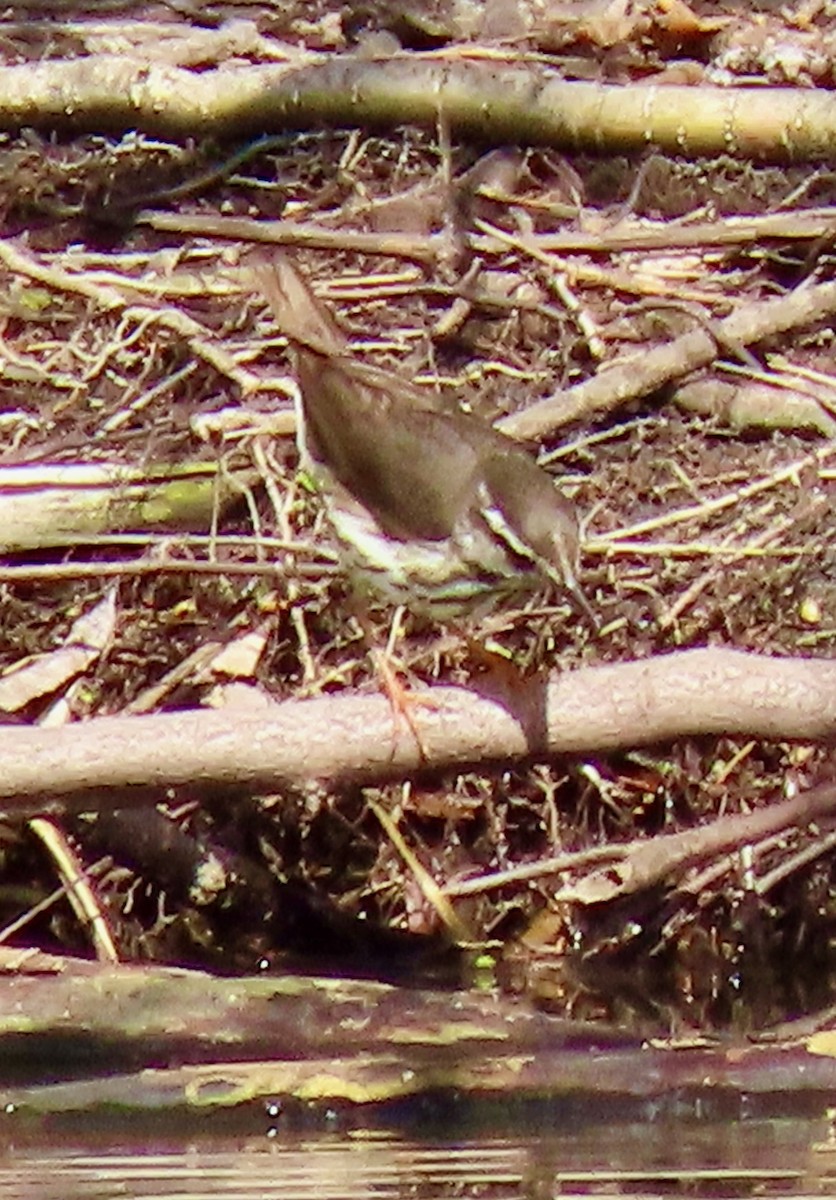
[401,699]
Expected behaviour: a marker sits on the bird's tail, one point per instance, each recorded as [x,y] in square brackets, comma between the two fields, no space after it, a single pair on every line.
[299,314]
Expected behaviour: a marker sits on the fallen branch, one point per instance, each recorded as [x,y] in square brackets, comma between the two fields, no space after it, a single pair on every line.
[500,104]
[633,375]
[113,760]
[159,1039]
[58,504]
[644,864]
[808,225]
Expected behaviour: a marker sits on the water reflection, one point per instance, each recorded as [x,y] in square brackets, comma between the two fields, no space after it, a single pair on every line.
[765,1157]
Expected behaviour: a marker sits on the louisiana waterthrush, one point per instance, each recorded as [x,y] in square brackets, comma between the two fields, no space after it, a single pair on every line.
[433,510]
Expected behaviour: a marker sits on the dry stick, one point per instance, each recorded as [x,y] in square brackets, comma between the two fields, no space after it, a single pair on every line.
[542,868]
[824,844]
[630,377]
[810,225]
[740,496]
[78,888]
[671,612]
[700,886]
[432,893]
[119,760]
[650,862]
[108,299]
[51,572]
[300,234]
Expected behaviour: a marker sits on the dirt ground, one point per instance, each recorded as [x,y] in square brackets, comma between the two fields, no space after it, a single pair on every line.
[707,505]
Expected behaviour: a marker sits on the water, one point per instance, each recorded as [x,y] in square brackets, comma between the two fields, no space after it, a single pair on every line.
[549,1152]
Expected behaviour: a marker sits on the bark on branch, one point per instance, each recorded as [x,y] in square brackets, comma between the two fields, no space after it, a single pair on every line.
[638,375]
[112,760]
[499,104]
[160,1039]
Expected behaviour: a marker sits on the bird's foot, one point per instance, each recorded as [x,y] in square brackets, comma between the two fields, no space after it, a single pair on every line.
[402,700]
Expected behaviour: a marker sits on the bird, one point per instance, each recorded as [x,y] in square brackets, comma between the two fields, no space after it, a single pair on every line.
[434,510]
